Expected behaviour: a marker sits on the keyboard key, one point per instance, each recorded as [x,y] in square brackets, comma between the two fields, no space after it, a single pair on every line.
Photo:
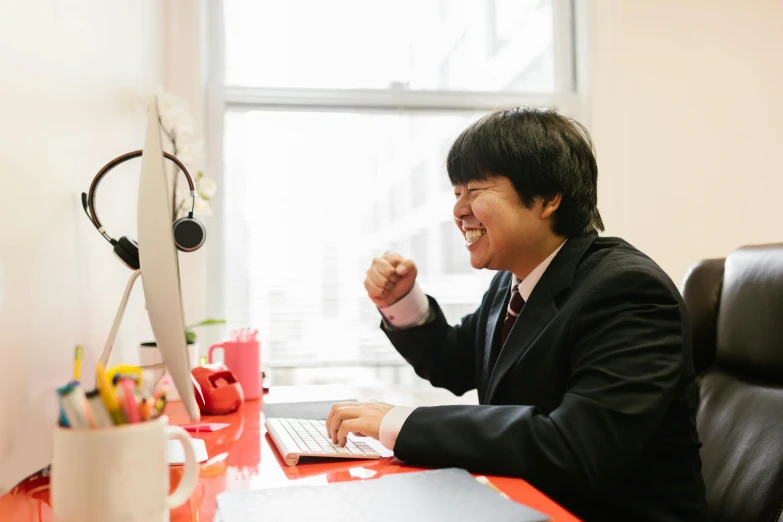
[311,438]
[353,449]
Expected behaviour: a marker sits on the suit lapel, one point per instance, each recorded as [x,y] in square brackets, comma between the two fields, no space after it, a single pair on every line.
[539,309]
[535,315]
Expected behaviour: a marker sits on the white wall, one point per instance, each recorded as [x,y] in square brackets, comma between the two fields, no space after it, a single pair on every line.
[184,75]
[66,67]
[687,116]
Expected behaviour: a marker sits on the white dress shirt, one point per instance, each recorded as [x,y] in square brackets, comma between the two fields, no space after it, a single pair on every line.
[414,310]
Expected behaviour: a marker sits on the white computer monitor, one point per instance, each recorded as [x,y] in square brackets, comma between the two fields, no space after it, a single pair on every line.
[160,267]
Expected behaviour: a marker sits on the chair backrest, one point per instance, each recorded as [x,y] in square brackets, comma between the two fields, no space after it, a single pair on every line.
[736,311]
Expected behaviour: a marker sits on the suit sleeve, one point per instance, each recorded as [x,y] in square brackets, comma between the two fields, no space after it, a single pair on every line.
[626,367]
[443,354]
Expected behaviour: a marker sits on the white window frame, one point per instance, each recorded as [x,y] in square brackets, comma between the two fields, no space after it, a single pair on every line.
[569,98]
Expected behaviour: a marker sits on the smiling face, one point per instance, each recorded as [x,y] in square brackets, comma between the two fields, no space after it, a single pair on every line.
[500,232]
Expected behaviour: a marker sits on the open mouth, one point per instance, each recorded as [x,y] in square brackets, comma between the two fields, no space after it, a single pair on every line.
[474,235]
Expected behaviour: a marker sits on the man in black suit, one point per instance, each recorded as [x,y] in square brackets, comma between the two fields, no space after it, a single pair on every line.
[580,349]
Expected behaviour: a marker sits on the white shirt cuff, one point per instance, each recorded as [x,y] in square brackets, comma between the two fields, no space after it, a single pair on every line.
[392,424]
[411,310]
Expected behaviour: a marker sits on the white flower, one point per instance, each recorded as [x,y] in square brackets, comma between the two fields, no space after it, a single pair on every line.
[207,188]
[191,154]
[175,115]
[202,208]
[184,155]
[177,122]
[184,129]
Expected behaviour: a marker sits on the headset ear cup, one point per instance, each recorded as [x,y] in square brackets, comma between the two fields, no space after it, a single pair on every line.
[128,252]
[189,234]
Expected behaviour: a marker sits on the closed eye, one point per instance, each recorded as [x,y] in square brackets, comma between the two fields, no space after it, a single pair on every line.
[471,190]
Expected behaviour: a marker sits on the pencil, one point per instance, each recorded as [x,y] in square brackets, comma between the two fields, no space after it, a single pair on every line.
[106,391]
[78,354]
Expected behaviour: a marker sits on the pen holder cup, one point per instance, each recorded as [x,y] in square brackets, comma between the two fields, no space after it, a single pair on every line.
[118,473]
[244,361]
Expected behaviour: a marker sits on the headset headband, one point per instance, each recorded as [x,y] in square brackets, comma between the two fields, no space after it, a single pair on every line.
[89,200]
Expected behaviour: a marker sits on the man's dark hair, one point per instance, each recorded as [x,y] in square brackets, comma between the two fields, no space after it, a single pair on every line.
[542,153]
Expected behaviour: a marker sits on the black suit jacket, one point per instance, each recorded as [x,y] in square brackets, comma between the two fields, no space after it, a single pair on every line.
[592,398]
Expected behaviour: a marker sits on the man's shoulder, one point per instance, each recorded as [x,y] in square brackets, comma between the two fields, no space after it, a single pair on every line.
[614,262]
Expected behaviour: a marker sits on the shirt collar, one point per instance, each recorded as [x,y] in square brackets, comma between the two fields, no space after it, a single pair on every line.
[530,282]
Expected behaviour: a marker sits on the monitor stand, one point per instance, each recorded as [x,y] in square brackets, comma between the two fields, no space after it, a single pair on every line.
[174,452]
[115,327]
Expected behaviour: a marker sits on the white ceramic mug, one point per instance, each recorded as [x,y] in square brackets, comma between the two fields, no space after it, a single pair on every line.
[118,474]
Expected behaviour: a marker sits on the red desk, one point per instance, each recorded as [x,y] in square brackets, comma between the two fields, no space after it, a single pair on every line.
[243,457]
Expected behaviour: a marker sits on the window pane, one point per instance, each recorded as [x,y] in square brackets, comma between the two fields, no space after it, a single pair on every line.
[314,197]
[471,45]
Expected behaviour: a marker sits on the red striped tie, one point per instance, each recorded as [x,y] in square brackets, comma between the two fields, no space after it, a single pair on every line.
[514,307]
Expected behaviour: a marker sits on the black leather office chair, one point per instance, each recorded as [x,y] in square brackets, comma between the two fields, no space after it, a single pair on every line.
[736,309]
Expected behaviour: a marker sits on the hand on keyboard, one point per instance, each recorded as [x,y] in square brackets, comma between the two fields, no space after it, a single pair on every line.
[360,418]
[303,437]
[309,436]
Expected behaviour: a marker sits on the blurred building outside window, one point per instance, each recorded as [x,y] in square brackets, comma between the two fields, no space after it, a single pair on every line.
[337,120]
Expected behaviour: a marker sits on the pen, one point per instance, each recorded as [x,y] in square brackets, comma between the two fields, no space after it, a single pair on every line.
[107,394]
[145,409]
[62,390]
[63,418]
[100,416]
[160,403]
[73,401]
[78,354]
[131,408]
[80,400]
[125,370]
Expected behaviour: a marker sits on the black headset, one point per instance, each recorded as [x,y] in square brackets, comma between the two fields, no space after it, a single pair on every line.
[189,233]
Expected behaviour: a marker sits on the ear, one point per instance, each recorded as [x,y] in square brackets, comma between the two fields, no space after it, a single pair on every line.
[549,205]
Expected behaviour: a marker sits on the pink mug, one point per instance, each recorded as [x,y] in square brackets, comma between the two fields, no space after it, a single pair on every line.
[244,361]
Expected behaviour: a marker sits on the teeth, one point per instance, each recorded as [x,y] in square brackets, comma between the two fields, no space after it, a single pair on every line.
[474,235]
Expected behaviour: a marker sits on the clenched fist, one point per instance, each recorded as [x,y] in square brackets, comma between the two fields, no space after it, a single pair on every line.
[389,279]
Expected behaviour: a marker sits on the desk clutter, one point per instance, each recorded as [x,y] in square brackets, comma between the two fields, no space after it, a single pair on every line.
[113,446]
[446,494]
[216,393]
[217,389]
[124,394]
[127,394]
[242,355]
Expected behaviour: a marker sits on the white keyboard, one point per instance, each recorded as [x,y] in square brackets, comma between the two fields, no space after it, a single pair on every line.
[296,438]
